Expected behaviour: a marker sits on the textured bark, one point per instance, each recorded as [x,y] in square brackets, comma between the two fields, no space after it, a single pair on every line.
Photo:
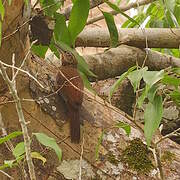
[115,61]
[155,37]
[14,40]
[97,115]
[103,115]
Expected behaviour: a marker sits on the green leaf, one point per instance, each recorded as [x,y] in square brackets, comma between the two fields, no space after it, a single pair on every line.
[138,18]
[9,163]
[53,48]
[151,93]
[175,95]
[118,82]
[10,136]
[78,18]
[19,150]
[150,9]
[86,82]
[20,158]
[171,19]
[136,76]
[116,8]
[176,70]
[2,10]
[143,96]
[156,23]
[73,1]
[61,31]
[50,6]
[151,77]
[124,126]
[98,145]
[83,66]
[4,166]
[177,12]
[39,50]
[126,24]
[37,155]
[118,2]
[175,52]
[152,116]
[49,142]
[170,4]
[112,28]
[169,80]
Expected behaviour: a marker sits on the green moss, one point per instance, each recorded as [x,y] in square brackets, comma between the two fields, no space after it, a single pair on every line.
[136,156]
[167,156]
[112,159]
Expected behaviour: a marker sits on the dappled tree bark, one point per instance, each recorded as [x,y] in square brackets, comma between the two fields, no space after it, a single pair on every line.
[40,113]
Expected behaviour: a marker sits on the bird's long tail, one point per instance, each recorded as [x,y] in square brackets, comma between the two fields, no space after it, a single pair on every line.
[74,124]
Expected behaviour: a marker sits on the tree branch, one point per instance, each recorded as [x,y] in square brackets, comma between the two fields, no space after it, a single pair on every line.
[122,8]
[27,141]
[115,61]
[156,37]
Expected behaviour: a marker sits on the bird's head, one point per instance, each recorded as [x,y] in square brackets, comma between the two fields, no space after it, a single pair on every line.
[68,57]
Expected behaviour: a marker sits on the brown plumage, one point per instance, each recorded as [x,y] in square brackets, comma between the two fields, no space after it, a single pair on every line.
[73,97]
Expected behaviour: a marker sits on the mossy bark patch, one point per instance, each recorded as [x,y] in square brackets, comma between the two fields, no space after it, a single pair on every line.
[136,155]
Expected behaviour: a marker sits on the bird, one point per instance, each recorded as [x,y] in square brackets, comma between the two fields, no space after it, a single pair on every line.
[70,88]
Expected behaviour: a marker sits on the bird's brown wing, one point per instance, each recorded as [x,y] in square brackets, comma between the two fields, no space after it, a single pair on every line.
[72,94]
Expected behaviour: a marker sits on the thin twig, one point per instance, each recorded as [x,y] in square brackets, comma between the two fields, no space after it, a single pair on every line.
[22,121]
[35,4]
[167,136]
[10,66]
[24,60]
[6,174]
[81,158]
[13,65]
[158,156]
[14,32]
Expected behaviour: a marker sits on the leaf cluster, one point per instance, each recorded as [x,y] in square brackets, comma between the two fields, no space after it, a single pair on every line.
[19,150]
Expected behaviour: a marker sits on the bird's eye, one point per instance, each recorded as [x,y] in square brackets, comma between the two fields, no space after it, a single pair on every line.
[68,53]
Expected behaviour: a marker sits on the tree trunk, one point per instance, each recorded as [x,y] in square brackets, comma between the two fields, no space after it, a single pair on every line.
[14,37]
[48,116]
